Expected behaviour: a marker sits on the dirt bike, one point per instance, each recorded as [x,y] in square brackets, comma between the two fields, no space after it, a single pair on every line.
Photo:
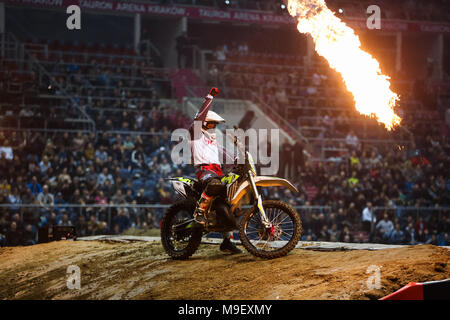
[267,229]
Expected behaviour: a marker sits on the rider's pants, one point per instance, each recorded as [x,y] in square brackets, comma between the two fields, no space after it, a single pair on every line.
[209,176]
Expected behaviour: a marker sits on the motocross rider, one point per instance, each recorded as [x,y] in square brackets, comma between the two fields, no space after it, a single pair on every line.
[205,152]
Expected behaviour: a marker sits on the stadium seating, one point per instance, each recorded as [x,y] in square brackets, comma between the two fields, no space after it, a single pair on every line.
[78,96]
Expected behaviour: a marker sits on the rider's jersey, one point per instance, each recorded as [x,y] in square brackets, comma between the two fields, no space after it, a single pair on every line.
[205,150]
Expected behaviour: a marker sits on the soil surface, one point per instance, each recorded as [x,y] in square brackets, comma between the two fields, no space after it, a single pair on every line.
[142,270]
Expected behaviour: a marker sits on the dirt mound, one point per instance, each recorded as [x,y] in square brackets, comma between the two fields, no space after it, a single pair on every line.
[141,270]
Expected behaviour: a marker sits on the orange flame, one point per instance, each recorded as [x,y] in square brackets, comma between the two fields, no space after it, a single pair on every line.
[340,46]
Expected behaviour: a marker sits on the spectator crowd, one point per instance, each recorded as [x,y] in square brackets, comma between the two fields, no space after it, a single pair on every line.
[366,191]
[357,198]
[64,169]
[125,169]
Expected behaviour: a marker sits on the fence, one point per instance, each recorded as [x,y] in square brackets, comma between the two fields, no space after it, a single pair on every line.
[377,211]
[107,212]
[103,212]
[403,212]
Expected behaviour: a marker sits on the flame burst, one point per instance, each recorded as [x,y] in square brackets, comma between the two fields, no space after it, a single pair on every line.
[340,46]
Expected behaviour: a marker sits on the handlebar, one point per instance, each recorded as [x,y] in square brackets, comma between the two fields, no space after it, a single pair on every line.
[238,144]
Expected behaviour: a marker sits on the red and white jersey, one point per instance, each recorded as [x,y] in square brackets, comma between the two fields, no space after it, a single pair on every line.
[205,150]
[204,146]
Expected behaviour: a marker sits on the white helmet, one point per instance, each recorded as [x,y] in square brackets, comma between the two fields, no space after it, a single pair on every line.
[211,116]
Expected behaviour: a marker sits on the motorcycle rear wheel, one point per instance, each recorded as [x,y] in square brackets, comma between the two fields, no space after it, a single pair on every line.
[275,243]
[191,238]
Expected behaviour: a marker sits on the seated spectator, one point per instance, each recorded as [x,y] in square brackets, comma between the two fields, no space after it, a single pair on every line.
[64,177]
[138,157]
[89,152]
[45,198]
[65,221]
[128,146]
[129,197]
[29,236]
[334,233]
[101,198]
[26,112]
[14,200]
[354,160]
[59,199]
[421,237]
[433,239]
[360,238]
[81,226]
[103,176]
[78,143]
[353,181]
[102,228]
[221,53]
[420,225]
[101,155]
[384,227]
[352,140]
[13,235]
[346,235]
[5,187]
[35,187]
[323,234]
[347,238]
[165,167]
[44,164]
[410,234]
[352,213]
[49,219]
[397,236]
[444,240]
[92,226]
[108,189]
[122,220]
[118,198]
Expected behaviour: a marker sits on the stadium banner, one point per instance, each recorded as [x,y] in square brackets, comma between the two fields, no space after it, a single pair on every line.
[229,15]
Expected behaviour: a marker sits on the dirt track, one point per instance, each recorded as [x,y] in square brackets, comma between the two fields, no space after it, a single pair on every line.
[139,270]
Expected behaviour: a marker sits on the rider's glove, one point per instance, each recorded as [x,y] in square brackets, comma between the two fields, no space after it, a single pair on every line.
[214,91]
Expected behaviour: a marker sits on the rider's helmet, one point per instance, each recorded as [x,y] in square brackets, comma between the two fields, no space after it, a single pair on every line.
[212,120]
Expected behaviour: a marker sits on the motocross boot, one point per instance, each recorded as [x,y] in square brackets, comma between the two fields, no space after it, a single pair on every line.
[229,247]
[202,208]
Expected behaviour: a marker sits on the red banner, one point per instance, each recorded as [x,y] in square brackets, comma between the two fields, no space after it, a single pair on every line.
[230,15]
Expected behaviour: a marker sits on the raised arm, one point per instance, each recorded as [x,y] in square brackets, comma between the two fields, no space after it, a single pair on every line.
[201,114]
[203,111]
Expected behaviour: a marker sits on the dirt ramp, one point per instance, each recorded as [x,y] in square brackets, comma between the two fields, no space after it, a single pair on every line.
[141,270]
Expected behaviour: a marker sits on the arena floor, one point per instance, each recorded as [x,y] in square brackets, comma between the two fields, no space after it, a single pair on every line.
[141,270]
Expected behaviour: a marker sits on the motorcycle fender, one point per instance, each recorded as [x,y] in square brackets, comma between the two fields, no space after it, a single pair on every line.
[180,184]
[179,188]
[262,181]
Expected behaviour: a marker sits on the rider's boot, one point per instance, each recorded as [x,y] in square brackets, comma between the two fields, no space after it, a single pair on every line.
[228,246]
[202,208]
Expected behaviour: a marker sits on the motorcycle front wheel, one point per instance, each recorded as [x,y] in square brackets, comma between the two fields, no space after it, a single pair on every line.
[179,237]
[273,242]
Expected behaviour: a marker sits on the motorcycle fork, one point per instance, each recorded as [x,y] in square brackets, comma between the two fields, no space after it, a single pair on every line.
[264,219]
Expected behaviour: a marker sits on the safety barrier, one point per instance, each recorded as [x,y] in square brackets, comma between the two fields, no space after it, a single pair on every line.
[431,290]
[303,209]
